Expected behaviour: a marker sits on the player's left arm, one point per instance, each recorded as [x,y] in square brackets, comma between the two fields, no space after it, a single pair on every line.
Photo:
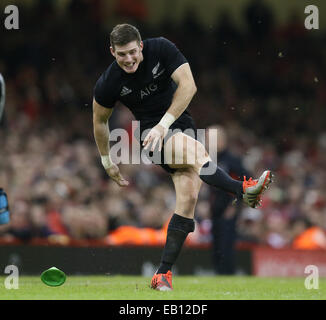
[186,89]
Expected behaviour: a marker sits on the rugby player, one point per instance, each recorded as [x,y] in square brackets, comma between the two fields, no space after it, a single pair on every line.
[154,80]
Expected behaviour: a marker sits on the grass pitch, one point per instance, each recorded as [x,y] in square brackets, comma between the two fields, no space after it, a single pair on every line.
[185,288]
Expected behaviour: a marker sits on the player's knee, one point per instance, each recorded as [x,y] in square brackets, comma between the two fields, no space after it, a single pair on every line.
[202,156]
[200,162]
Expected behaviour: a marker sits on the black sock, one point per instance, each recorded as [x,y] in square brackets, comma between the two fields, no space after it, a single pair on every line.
[178,230]
[220,179]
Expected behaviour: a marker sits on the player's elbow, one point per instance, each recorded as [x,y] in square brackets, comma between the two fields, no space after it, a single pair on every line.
[192,88]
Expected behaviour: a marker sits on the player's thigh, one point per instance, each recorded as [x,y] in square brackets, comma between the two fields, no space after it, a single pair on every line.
[183,151]
[187,186]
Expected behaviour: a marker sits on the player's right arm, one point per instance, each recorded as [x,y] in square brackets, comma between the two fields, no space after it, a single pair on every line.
[101,116]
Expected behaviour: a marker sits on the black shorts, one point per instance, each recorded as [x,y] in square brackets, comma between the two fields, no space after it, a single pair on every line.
[184,123]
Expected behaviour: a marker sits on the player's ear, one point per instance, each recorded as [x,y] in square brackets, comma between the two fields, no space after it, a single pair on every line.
[141,45]
[112,51]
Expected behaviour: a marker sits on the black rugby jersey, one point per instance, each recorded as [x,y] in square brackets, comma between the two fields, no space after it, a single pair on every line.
[148,92]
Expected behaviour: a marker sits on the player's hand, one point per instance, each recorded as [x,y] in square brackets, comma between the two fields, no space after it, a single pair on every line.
[115,175]
[154,137]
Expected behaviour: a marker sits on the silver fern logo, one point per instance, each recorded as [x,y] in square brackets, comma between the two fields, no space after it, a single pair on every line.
[155,71]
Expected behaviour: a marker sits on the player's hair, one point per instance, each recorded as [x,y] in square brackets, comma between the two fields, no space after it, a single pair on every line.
[123,34]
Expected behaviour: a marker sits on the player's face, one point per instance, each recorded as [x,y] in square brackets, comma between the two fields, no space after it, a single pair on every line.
[128,56]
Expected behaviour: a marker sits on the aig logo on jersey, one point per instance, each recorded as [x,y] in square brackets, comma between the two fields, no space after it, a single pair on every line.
[152,87]
[148,90]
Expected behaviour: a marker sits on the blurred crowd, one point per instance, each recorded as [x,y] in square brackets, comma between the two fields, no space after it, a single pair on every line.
[265,84]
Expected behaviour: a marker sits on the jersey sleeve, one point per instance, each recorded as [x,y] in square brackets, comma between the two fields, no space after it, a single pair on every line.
[105,91]
[171,56]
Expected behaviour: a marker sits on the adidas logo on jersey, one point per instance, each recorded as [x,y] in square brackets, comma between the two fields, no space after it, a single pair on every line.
[125,91]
